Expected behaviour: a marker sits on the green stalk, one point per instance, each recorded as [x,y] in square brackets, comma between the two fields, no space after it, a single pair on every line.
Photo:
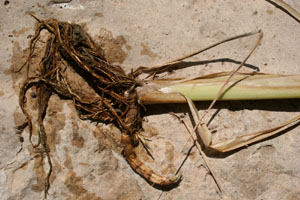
[241,87]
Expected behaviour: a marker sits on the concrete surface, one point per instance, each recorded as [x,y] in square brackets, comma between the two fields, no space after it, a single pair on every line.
[86,157]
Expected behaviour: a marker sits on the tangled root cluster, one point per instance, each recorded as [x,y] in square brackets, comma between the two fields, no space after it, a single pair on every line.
[114,98]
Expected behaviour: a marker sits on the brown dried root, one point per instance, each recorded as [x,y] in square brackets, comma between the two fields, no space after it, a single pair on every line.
[115,100]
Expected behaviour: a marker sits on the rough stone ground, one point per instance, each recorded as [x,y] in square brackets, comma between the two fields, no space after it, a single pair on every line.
[86,156]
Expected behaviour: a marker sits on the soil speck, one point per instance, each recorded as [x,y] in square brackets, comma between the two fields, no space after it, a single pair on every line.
[98,15]
[270,12]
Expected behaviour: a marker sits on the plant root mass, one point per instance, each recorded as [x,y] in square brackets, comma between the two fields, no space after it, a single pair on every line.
[113,98]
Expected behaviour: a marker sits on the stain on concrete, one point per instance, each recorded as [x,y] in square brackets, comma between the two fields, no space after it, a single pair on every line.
[147,51]
[128,47]
[18,61]
[143,155]
[112,47]
[75,185]
[17,33]
[40,174]
[169,152]
[68,161]
[170,169]
[19,117]
[18,58]
[193,155]
[54,122]
[108,139]
[77,140]
[149,131]
[293,196]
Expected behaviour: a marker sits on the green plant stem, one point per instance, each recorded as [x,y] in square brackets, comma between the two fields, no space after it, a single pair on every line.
[241,87]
